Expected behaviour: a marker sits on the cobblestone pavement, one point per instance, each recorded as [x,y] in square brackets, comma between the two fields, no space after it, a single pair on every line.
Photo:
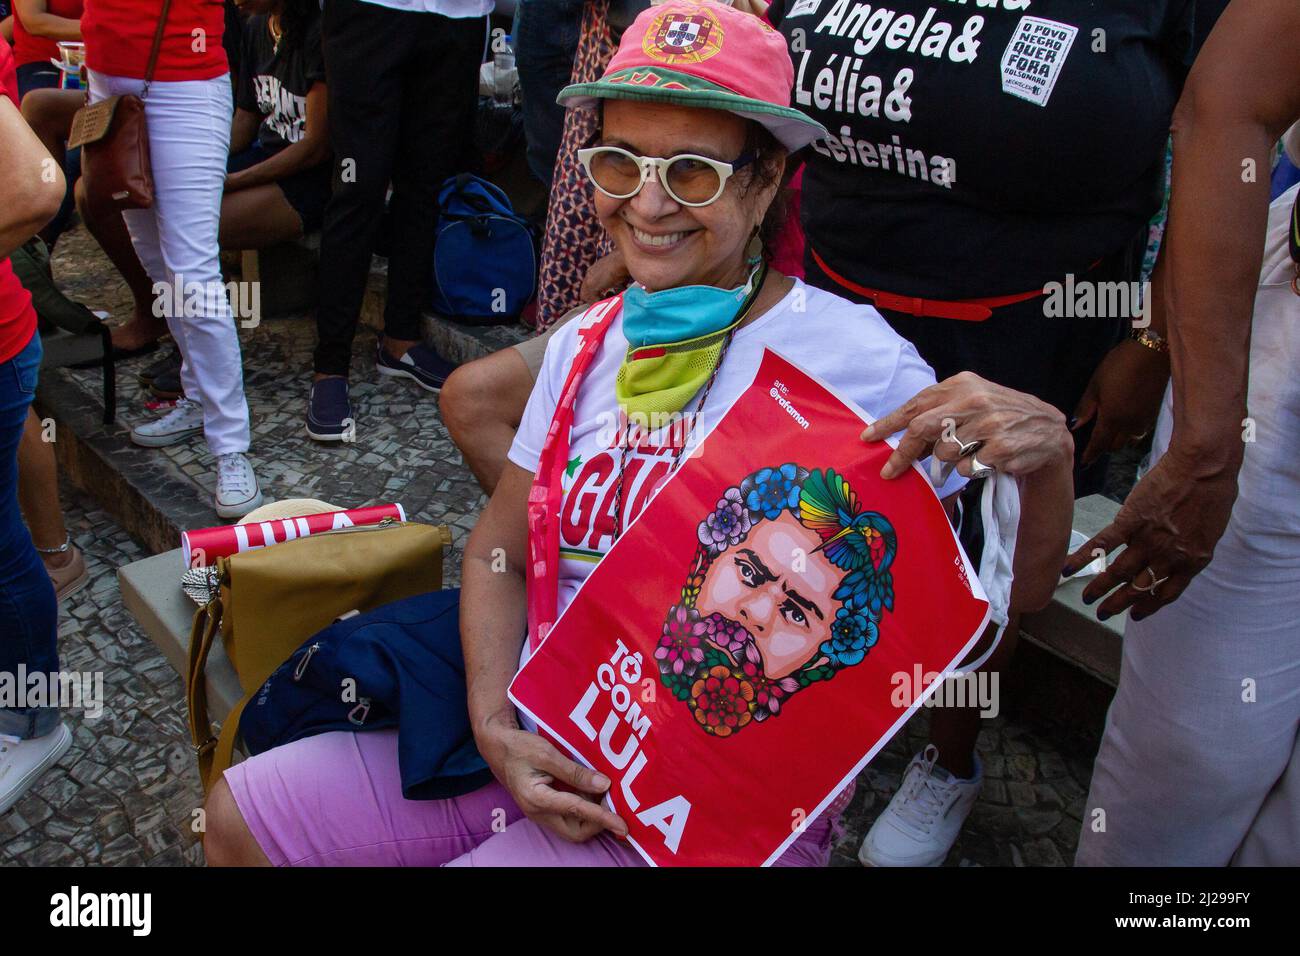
[126,792]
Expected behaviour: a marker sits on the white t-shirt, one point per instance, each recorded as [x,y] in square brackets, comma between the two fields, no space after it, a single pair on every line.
[849,346]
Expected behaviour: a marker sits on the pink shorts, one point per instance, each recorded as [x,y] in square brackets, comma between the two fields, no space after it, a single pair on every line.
[336,800]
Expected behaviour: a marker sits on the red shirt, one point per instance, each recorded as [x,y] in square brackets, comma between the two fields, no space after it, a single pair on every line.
[17,317]
[34,49]
[119,34]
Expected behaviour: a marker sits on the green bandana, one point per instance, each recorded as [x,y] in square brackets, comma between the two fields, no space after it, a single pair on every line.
[657,379]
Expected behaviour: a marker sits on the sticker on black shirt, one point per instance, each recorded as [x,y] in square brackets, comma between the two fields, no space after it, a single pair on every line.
[1034,57]
[803,7]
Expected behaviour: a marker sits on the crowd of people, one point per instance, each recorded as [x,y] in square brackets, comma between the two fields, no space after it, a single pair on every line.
[887,196]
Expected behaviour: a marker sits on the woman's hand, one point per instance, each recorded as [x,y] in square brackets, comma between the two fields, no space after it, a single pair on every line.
[527,765]
[1124,396]
[1170,522]
[1019,434]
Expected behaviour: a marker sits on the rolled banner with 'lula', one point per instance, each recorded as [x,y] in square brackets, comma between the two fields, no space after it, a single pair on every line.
[201,547]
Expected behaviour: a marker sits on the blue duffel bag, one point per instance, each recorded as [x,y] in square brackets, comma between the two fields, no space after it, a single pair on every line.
[398,665]
[485,257]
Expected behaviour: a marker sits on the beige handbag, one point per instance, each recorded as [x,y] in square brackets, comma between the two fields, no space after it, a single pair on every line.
[272,599]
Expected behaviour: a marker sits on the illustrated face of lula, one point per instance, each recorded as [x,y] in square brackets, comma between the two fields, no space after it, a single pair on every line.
[776,586]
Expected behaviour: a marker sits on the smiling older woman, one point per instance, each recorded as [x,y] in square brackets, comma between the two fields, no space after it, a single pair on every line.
[696,128]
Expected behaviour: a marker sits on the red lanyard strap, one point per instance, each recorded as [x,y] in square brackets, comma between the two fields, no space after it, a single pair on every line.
[544,496]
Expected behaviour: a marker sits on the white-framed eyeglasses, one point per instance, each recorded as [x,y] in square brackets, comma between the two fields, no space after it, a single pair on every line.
[689,179]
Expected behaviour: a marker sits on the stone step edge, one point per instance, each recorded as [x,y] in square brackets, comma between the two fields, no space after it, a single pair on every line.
[89,455]
[85,449]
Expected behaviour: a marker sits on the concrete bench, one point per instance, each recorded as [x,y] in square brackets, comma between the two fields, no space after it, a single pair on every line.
[287,275]
[151,592]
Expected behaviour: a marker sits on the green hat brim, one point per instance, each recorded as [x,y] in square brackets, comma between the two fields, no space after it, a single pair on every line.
[792,129]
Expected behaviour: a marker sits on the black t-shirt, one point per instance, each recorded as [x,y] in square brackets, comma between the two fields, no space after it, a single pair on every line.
[984,147]
[275,84]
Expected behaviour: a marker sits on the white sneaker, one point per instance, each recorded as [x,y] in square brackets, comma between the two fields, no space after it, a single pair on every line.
[921,823]
[237,491]
[180,423]
[23,761]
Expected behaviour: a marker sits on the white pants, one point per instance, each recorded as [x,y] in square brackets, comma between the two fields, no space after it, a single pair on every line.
[176,240]
[1200,762]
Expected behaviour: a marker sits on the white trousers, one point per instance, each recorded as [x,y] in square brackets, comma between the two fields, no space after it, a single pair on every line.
[176,240]
[1200,762]
[1200,765]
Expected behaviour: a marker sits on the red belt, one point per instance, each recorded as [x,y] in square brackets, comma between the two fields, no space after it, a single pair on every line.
[965,310]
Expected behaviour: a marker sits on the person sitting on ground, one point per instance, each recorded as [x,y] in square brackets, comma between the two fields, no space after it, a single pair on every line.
[686,226]
[278,174]
[279,171]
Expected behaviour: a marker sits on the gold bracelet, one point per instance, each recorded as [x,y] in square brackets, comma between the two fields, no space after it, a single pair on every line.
[1149,338]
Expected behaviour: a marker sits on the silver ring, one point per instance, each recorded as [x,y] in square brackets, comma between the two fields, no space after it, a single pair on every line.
[978,469]
[1155,581]
[964,448]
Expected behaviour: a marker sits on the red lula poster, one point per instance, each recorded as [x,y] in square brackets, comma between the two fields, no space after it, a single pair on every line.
[732,662]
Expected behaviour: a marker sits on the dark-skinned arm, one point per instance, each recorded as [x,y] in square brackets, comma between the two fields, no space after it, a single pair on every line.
[243,130]
[1242,94]
[1126,390]
[311,150]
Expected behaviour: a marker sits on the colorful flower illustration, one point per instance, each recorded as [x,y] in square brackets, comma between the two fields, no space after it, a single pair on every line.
[770,491]
[714,663]
[851,635]
[728,524]
[768,693]
[722,702]
[728,635]
[681,647]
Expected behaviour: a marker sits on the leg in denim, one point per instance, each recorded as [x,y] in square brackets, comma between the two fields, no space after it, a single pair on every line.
[28,609]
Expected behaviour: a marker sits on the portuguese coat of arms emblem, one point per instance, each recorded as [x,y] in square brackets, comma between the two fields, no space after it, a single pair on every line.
[679,38]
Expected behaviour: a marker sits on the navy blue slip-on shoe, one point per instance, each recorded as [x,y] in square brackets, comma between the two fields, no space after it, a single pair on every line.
[167,385]
[421,364]
[168,364]
[329,413]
